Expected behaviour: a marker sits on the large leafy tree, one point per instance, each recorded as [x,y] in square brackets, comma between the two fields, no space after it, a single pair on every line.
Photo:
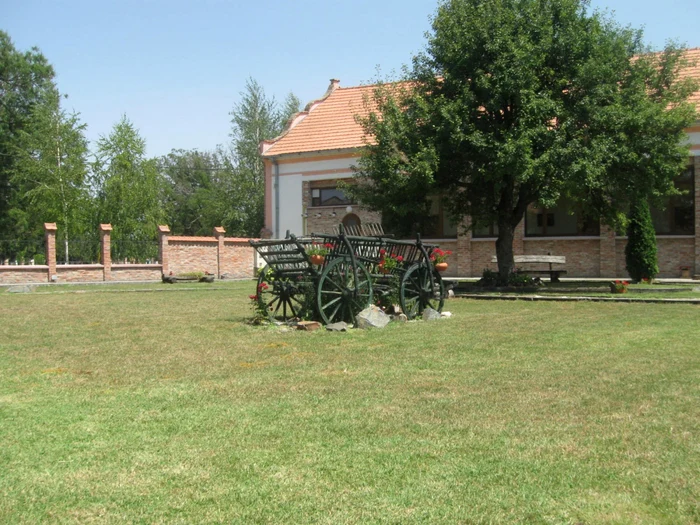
[129,191]
[51,171]
[256,117]
[199,192]
[26,81]
[518,102]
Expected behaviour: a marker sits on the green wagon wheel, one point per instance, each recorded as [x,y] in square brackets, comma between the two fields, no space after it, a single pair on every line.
[418,293]
[281,299]
[340,297]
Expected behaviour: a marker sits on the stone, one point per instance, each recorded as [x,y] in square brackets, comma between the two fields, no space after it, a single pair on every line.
[342,326]
[399,318]
[308,326]
[450,293]
[431,315]
[20,289]
[372,317]
[446,314]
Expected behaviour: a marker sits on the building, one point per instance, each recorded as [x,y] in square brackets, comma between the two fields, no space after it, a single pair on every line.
[322,143]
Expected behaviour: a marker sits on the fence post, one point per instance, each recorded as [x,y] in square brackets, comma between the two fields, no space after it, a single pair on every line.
[50,229]
[106,244]
[219,234]
[163,232]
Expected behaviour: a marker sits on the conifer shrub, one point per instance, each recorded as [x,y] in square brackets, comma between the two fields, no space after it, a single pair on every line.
[640,252]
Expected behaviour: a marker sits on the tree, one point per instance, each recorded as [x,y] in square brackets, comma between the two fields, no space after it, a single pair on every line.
[640,252]
[26,81]
[517,102]
[254,119]
[198,195]
[129,191]
[51,171]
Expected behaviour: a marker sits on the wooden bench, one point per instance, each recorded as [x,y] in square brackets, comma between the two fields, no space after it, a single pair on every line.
[540,259]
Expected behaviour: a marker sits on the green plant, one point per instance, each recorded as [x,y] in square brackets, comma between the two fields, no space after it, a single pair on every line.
[191,275]
[259,313]
[488,278]
[619,286]
[39,258]
[439,256]
[519,279]
[319,249]
[388,262]
[640,252]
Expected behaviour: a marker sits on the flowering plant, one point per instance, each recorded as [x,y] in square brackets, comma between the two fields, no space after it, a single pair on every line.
[387,262]
[619,286]
[439,256]
[256,304]
[684,268]
[319,249]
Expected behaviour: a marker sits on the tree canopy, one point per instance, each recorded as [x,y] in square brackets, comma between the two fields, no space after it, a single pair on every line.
[516,102]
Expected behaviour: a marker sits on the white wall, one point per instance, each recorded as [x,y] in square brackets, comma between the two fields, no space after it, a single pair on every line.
[291,198]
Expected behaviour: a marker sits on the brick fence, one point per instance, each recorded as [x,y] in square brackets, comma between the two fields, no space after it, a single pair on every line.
[224,257]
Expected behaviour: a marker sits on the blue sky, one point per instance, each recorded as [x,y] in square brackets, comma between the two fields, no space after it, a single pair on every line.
[176,67]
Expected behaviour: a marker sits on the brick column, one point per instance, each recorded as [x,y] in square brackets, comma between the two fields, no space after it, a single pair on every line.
[219,234]
[50,229]
[696,271]
[519,238]
[464,250]
[163,232]
[608,253]
[106,245]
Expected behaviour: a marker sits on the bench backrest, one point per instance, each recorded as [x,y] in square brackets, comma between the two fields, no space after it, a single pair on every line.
[551,259]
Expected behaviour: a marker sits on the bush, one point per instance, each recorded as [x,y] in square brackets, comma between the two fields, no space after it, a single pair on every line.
[640,252]
[516,279]
[39,258]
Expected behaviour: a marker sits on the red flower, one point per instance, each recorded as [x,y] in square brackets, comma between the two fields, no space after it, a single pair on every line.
[399,258]
[253,297]
[382,252]
[329,246]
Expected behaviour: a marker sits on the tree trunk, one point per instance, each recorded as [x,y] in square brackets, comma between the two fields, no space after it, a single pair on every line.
[504,250]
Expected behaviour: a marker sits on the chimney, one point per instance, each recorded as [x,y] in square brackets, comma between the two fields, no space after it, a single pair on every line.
[335,84]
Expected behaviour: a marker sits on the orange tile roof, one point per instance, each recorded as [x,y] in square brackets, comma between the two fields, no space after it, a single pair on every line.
[693,71]
[329,123]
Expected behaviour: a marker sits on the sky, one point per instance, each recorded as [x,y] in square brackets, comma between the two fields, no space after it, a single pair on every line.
[176,68]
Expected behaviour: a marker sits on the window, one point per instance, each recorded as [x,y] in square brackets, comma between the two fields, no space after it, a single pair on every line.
[485,231]
[439,226]
[678,215]
[564,220]
[329,197]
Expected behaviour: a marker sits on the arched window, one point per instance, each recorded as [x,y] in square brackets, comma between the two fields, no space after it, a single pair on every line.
[351,221]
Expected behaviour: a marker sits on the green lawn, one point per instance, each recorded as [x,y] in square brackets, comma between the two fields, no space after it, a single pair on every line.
[166,407]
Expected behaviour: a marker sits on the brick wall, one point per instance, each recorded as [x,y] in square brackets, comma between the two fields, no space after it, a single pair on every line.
[79,273]
[23,274]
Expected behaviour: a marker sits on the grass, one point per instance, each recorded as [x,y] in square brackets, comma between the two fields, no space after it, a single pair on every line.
[168,408]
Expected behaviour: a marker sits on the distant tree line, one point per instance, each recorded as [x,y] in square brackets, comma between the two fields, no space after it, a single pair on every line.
[48,173]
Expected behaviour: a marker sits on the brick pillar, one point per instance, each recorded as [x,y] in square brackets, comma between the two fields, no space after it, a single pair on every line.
[50,229]
[106,245]
[219,234]
[464,250]
[163,232]
[696,271]
[519,238]
[608,253]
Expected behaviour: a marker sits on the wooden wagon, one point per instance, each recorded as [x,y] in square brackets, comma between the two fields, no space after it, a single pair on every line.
[355,272]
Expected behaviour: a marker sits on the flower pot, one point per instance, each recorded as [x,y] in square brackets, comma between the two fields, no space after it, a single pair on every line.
[685,273]
[383,270]
[441,267]
[317,259]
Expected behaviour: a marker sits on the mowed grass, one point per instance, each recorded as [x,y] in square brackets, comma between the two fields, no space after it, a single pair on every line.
[166,407]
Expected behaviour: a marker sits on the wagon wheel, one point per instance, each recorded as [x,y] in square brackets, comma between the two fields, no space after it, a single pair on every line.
[281,299]
[417,293]
[339,297]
